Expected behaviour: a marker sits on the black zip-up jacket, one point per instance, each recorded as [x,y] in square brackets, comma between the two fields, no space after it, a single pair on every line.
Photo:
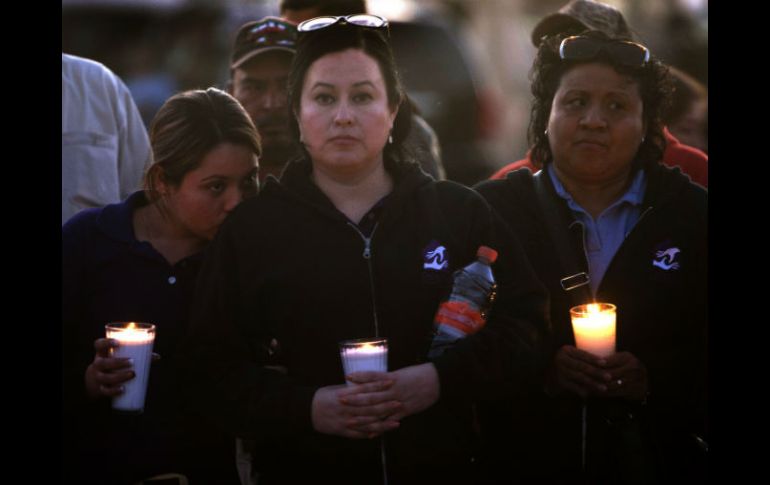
[288,266]
[657,280]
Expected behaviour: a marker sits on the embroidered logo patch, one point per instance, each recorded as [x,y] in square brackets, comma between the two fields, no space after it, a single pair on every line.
[667,259]
[435,257]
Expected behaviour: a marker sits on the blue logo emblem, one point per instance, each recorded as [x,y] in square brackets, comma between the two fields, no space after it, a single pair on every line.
[667,259]
[435,257]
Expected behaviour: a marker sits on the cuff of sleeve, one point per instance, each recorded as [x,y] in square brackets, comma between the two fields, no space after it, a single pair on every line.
[301,412]
[451,373]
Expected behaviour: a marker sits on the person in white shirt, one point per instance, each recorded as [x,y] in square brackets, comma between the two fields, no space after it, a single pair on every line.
[104,143]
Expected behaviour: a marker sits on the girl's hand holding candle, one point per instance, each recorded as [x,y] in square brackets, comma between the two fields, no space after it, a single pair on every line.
[106,374]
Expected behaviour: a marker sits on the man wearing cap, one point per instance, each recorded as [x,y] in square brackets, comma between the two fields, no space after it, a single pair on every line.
[579,15]
[259,71]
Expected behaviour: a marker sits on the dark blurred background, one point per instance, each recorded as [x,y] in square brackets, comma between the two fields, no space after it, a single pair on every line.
[465,62]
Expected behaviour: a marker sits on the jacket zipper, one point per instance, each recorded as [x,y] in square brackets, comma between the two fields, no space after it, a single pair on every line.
[367,255]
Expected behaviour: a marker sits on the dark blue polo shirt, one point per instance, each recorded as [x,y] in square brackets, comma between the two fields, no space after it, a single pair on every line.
[110,276]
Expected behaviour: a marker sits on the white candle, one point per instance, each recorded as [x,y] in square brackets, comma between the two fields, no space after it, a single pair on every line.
[594,328]
[364,355]
[135,342]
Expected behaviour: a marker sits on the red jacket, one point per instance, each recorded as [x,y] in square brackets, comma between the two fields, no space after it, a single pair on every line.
[692,161]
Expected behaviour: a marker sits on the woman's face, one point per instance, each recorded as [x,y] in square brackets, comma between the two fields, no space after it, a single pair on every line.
[595,126]
[690,128]
[344,116]
[225,176]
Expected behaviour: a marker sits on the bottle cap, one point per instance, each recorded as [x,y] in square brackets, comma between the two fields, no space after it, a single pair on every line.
[487,253]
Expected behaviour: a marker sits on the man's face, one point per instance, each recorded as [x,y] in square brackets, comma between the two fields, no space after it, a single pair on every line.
[260,86]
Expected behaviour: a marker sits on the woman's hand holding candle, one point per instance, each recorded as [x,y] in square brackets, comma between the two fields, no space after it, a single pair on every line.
[416,387]
[376,402]
[357,411]
[582,368]
[627,377]
[578,371]
[617,375]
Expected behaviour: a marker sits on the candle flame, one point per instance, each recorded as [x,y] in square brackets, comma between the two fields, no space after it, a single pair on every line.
[367,348]
[593,308]
[131,326]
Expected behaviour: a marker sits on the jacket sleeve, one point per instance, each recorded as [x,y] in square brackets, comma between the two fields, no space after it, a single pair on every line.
[505,356]
[223,372]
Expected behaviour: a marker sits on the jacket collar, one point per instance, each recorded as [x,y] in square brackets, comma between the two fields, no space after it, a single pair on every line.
[296,183]
[663,184]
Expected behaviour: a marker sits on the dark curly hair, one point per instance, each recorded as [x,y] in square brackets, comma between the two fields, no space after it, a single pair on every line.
[655,87]
[311,46]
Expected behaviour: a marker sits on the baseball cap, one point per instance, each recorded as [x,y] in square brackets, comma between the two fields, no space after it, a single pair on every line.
[583,15]
[264,35]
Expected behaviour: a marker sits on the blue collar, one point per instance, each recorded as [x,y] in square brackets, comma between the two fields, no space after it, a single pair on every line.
[117,220]
[634,195]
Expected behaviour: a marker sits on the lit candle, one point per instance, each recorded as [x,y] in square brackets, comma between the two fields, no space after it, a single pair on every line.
[135,342]
[594,328]
[364,355]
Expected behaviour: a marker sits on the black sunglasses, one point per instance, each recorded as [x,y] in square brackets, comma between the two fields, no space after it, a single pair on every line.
[359,20]
[623,52]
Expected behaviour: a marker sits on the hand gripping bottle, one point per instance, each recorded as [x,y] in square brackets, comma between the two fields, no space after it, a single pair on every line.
[465,312]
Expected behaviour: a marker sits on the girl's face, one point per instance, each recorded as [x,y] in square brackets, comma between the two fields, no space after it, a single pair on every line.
[225,176]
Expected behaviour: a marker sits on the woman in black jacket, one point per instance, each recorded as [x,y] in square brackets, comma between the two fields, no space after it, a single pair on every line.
[341,248]
[638,230]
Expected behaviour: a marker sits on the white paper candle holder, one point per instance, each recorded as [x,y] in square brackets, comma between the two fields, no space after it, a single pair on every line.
[135,342]
[594,327]
[370,354]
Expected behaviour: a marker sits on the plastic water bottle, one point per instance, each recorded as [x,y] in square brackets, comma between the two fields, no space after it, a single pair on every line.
[465,312]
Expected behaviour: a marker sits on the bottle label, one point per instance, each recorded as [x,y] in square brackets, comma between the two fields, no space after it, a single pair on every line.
[461,316]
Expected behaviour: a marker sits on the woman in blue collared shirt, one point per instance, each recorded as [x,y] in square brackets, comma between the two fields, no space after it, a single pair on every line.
[638,229]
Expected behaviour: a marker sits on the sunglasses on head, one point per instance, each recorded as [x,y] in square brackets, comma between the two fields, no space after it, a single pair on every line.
[359,20]
[623,52]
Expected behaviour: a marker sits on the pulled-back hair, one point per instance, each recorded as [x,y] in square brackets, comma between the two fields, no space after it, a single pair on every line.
[188,126]
[655,89]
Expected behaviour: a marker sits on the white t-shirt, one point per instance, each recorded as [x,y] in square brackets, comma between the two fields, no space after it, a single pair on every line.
[104,144]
